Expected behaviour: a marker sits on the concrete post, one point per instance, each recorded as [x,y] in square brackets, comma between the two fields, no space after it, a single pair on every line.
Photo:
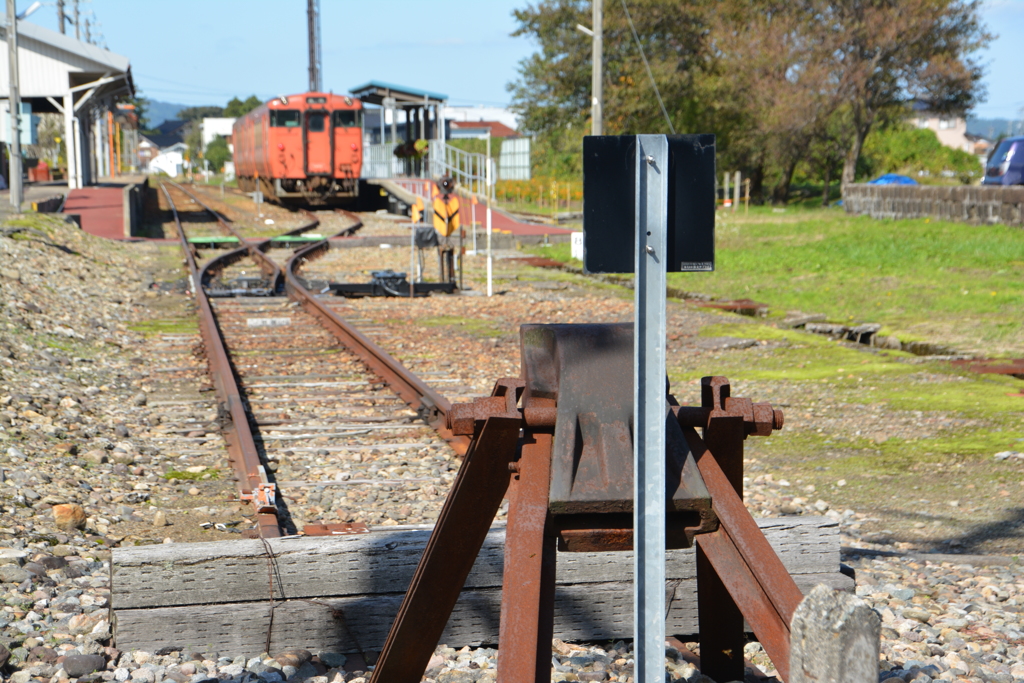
[835,638]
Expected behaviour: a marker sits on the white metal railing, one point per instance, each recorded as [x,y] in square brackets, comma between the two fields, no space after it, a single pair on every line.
[379,161]
[467,168]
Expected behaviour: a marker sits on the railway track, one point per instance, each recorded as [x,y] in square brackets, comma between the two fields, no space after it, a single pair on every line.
[318,419]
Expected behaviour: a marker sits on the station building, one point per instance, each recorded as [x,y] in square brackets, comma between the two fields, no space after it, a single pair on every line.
[83,83]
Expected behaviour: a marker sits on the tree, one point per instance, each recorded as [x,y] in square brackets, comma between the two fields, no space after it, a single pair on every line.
[891,50]
[217,153]
[200,113]
[237,107]
[552,93]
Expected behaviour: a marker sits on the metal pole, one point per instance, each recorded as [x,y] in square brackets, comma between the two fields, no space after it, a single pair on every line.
[313,19]
[61,18]
[490,256]
[650,408]
[597,82]
[14,103]
[78,26]
[412,257]
[736,191]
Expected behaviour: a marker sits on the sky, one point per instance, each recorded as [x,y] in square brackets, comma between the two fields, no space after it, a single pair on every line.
[207,51]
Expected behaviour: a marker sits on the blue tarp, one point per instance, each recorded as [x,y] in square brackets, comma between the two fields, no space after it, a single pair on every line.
[893,179]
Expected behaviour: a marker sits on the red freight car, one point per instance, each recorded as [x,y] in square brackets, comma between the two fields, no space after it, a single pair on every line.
[301,148]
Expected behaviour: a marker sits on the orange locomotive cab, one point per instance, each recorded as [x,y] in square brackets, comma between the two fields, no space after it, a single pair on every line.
[306,148]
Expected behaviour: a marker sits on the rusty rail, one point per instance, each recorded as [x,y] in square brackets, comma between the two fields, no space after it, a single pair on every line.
[250,473]
[430,404]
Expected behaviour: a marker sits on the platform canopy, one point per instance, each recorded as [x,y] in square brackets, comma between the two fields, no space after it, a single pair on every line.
[424,110]
[59,73]
[375,92]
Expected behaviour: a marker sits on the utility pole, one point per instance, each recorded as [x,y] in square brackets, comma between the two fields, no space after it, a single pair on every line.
[78,32]
[597,83]
[88,36]
[61,17]
[313,17]
[14,103]
[596,72]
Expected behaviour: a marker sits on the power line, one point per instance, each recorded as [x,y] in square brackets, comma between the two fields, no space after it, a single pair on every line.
[648,66]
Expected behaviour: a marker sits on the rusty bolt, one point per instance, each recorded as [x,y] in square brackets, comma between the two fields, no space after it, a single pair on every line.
[462,417]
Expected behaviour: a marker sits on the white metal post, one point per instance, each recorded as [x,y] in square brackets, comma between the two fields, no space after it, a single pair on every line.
[650,408]
[490,257]
[14,106]
[472,220]
[596,79]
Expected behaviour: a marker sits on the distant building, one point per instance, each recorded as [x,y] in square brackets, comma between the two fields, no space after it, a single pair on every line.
[480,129]
[153,146]
[214,128]
[170,160]
[481,113]
[950,129]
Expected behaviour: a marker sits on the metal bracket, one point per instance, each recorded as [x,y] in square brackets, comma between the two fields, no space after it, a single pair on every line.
[263,499]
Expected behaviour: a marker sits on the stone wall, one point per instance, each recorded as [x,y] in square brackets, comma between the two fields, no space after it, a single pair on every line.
[965,203]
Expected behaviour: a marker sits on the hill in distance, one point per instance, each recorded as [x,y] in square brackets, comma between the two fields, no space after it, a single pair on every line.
[157,112]
[990,129]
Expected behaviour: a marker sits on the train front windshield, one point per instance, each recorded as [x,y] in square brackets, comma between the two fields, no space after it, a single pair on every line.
[348,118]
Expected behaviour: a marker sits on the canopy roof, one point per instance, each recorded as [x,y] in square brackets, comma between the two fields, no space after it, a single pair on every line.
[374,92]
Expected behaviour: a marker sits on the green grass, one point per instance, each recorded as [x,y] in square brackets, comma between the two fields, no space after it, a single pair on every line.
[922,278]
[171,475]
[151,328]
[473,326]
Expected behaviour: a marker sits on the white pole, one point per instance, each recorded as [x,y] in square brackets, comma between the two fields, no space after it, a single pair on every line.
[490,257]
[596,82]
[472,210]
[649,408]
[14,105]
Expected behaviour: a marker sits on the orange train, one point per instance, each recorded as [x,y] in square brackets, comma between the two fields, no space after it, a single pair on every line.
[305,148]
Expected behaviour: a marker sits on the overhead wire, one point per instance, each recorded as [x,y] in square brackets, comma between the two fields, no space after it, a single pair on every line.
[650,75]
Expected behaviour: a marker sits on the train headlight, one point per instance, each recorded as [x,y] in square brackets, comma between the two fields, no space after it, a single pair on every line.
[280,146]
[354,146]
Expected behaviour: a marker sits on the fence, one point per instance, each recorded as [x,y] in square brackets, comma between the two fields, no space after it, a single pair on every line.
[964,203]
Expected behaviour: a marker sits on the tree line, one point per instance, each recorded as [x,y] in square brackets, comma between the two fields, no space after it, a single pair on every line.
[786,86]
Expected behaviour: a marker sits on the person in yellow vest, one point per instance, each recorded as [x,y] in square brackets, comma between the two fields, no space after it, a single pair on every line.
[446,223]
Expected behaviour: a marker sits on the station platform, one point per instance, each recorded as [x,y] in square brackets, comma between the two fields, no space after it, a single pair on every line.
[111,209]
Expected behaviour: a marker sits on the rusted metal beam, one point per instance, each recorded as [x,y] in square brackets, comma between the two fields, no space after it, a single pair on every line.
[747,566]
[459,534]
[528,587]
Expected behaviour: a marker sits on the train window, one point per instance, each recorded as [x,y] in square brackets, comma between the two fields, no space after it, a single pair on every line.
[284,118]
[348,118]
[316,100]
[316,121]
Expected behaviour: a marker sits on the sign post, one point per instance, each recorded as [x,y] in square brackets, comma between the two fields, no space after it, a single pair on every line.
[664,187]
[649,407]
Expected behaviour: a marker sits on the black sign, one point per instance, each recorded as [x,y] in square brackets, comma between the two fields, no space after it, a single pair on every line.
[609,187]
